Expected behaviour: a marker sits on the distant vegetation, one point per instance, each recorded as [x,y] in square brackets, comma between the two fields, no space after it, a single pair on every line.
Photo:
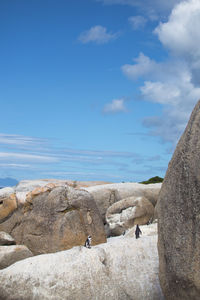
[155,179]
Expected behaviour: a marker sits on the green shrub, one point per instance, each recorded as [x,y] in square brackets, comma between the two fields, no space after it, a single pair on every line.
[155,179]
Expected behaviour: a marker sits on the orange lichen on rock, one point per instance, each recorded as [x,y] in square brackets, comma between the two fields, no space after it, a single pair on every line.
[7,206]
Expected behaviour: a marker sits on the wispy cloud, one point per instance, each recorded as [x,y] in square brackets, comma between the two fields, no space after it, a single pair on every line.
[137,22]
[27,157]
[115,106]
[20,140]
[15,166]
[153,8]
[97,34]
[65,163]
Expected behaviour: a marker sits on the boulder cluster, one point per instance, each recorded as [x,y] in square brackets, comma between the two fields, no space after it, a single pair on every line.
[50,216]
[46,217]
[10,252]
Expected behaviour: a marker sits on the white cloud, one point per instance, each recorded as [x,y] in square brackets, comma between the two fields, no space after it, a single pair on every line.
[181,33]
[116,106]
[174,83]
[143,66]
[20,140]
[137,22]
[27,157]
[97,34]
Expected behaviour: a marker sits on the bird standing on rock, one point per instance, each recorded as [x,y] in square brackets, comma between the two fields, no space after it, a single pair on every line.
[88,242]
[137,232]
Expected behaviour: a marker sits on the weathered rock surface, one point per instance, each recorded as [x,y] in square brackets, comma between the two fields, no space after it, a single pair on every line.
[128,212]
[8,204]
[10,254]
[106,195]
[25,186]
[55,218]
[179,217]
[6,239]
[123,269]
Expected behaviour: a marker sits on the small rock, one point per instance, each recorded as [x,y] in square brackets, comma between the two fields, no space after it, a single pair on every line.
[6,239]
[10,254]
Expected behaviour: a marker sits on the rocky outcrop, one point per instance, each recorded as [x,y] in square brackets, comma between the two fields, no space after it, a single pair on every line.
[55,218]
[8,204]
[106,195]
[179,217]
[11,254]
[6,239]
[122,269]
[125,213]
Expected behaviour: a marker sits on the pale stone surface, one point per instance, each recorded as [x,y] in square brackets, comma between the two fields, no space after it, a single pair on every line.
[125,213]
[179,217]
[151,229]
[6,239]
[123,269]
[11,254]
[6,192]
[25,186]
[106,195]
[55,218]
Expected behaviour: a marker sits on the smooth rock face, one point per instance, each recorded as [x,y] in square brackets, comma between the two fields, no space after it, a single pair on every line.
[54,219]
[106,195]
[6,239]
[10,254]
[179,218]
[125,213]
[25,186]
[122,269]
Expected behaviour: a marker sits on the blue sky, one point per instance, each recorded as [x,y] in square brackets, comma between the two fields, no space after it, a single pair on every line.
[95,89]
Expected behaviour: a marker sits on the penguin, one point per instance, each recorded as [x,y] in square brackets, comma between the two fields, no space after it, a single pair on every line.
[137,232]
[88,242]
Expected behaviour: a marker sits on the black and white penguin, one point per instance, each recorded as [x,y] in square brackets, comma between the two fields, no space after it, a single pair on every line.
[88,242]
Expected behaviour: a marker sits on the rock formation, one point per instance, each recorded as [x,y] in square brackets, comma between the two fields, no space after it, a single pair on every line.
[179,217]
[6,239]
[10,254]
[52,218]
[122,269]
[125,213]
[106,195]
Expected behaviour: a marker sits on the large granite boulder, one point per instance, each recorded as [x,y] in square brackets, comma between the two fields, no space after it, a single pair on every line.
[25,186]
[54,218]
[106,195]
[179,217]
[6,239]
[10,254]
[128,212]
[122,269]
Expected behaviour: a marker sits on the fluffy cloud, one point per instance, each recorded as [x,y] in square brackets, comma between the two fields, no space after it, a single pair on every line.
[137,22]
[181,33]
[97,34]
[143,66]
[174,83]
[116,106]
